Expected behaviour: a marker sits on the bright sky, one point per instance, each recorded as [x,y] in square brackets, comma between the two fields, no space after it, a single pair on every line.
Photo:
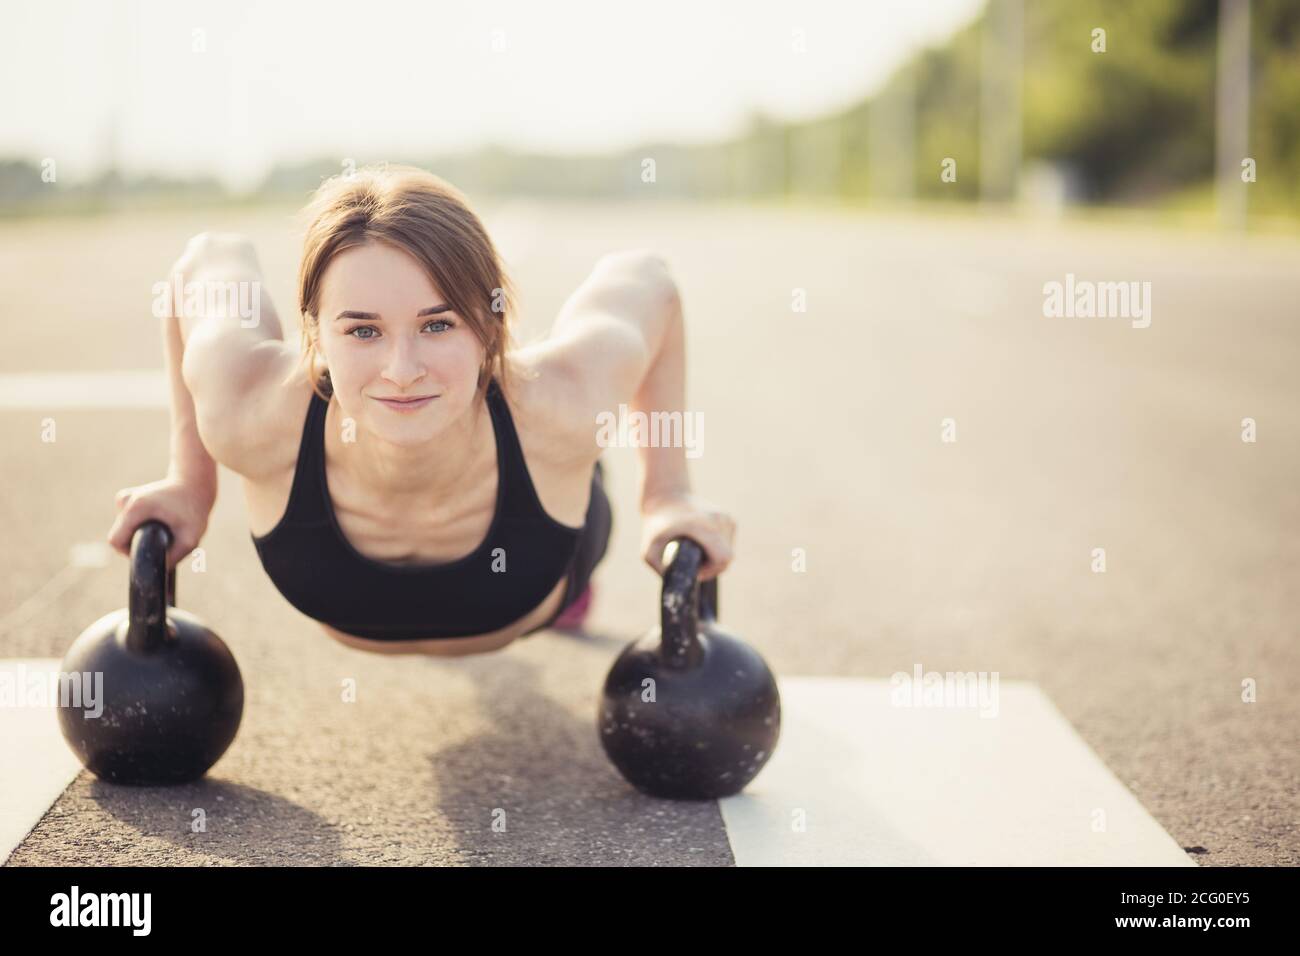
[232,87]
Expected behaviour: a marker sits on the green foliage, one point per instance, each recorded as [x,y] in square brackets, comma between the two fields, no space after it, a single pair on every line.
[1133,124]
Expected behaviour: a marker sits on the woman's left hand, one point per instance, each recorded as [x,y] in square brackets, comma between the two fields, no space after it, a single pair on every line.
[685,515]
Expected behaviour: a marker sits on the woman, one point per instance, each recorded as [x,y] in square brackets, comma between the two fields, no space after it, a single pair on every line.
[382,501]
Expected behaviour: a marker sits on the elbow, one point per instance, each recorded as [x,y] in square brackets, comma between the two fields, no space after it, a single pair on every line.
[651,269]
[642,261]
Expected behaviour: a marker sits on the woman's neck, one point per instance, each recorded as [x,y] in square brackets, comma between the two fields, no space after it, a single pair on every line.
[415,474]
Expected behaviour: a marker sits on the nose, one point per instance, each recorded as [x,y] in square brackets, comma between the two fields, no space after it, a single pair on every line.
[403,367]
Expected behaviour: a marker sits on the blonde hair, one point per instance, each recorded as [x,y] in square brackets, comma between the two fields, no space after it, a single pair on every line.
[430,219]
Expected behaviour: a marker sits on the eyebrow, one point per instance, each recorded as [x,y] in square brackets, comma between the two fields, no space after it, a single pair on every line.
[374,316]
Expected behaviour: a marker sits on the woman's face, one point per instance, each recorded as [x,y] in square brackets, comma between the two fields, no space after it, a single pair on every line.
[394,351]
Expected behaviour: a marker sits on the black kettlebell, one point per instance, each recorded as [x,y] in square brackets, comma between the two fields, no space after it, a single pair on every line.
[172,697]
[689,711]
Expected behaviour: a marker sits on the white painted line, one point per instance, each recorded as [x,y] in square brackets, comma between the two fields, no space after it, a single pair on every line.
[875,784]
[90,554]
[84,554]
[46,391]
[37,762]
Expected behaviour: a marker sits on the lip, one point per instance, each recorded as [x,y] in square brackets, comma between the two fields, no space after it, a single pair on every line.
[406,404]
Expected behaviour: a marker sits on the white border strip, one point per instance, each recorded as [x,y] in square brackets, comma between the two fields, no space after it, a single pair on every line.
[857,781]
[46,391]
[38,763]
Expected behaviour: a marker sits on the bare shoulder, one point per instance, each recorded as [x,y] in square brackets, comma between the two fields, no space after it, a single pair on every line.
[255,429]
[553,427]
[597,352]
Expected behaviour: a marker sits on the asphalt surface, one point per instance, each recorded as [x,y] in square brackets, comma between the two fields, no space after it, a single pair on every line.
[823,433]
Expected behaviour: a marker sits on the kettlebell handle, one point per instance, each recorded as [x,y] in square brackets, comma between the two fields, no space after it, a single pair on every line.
[152,587]
[684,600]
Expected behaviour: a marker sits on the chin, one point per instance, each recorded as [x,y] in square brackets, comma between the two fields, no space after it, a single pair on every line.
[401,427]
[410,437]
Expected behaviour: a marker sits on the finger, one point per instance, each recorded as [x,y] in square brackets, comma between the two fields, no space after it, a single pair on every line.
[130,520]
[724,525]
[123,529]
[713,569]
[716,553]
[114,537]
[719,554]
[657,555]
[183,548]
[650,558]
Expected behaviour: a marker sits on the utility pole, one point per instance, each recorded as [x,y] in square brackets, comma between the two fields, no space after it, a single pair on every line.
[1232,122]
[891,138]
[1001,72]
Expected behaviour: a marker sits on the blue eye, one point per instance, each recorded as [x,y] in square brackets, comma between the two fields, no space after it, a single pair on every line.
[367,338]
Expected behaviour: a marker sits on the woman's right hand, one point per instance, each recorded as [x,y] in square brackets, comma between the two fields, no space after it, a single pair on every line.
[183,506]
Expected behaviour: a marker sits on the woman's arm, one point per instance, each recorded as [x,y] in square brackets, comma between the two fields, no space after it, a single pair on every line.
[227,399]
[183,499]
[620,340]
[663,389]
[190,461]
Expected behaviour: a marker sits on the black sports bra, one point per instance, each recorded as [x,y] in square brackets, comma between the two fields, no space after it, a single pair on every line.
[525,554]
